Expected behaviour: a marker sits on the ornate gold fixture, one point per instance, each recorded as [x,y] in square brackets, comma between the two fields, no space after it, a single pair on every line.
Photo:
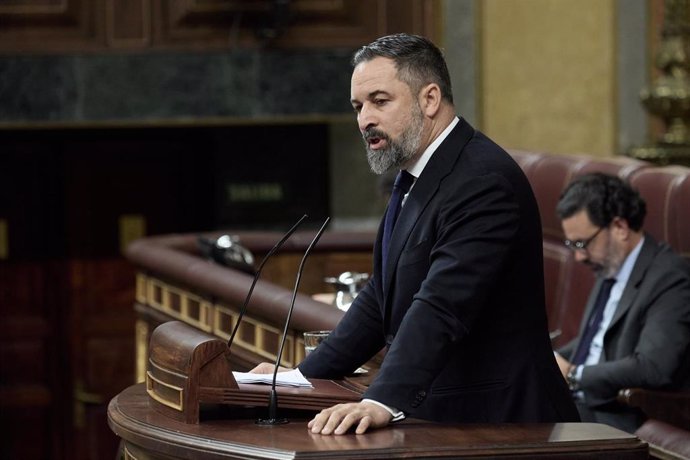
[669,96]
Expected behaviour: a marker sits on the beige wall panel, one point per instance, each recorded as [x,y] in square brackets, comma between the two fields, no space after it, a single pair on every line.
[548,73]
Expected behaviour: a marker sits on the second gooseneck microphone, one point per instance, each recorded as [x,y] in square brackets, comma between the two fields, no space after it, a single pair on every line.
[277,246]
[273,398]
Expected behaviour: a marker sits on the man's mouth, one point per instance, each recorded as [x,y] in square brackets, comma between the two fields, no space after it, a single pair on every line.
[375,140]
[594,266]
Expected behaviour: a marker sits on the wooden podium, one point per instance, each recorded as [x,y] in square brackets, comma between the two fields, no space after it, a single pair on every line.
[148,434]
[188,368]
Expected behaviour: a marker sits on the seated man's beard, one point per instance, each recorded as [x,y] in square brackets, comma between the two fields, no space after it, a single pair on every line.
[396,153]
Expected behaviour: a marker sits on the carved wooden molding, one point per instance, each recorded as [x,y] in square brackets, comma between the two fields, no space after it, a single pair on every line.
[49,25]
[128,23]
[240,23]
[82,25]
[254,335]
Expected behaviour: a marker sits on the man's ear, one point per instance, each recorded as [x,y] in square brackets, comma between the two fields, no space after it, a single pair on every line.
[430,99]
[621,227]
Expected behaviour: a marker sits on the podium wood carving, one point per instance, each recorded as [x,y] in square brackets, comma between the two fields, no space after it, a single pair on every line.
[187,368]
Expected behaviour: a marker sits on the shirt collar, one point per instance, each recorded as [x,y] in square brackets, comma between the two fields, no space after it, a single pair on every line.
[417,168]
[627,267]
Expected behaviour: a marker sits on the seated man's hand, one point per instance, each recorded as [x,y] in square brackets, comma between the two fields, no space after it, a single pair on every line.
[267,368]
[563,365]
[340,418]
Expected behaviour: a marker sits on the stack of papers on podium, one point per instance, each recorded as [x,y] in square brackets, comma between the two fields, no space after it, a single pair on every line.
[293,378]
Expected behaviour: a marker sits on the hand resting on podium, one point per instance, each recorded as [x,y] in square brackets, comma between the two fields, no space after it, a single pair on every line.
[340,418]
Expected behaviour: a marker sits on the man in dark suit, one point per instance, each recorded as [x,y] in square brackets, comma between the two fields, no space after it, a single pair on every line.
[462,279]
[637,332]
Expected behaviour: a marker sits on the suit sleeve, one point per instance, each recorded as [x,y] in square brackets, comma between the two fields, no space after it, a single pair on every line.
[356,339]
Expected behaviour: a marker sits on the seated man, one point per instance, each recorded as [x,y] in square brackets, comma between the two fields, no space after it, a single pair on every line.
[635,330]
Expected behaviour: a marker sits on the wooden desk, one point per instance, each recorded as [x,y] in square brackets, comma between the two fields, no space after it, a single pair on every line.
[149,435]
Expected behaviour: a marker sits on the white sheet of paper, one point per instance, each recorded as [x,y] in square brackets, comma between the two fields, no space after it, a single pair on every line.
[293,378]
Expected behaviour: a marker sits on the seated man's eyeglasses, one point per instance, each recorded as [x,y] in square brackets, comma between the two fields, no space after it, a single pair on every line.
[581,244]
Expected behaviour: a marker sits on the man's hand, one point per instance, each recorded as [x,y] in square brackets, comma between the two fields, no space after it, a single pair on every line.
[563,365]
[340,418]
[267,368]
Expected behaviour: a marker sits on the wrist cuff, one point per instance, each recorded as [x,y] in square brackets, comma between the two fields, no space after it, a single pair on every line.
[395,413]
[574,377]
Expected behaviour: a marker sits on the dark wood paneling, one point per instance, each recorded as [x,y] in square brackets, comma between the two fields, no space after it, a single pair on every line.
[128,23]
[81,25]
[102,348]
[66,292]
[32,355]
[235,23]
[51,25]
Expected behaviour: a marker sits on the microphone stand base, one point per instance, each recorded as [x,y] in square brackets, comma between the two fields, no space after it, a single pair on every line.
[272,421]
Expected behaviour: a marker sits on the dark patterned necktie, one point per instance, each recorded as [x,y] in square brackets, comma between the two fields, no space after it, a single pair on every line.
[403,182]
[595,317]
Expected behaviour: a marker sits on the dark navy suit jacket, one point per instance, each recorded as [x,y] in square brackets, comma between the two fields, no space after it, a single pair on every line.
[462,308]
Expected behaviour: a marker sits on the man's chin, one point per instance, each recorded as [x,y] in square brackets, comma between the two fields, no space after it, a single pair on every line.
[375,164]
[601,271]
[596,268]
[377,170]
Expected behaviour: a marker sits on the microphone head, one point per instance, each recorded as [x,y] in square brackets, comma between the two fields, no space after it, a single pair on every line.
[226,250]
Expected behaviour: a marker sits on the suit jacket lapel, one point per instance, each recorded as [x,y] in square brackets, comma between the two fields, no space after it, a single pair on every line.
[649,248]
[426,186]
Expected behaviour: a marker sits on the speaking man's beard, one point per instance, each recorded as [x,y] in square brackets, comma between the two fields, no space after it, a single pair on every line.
[396,152]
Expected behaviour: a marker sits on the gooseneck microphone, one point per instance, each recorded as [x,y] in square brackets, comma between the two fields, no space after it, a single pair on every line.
[277,246]
[273,398]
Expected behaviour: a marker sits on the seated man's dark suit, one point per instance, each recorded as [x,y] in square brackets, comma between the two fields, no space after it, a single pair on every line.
[462,307]
[647,343]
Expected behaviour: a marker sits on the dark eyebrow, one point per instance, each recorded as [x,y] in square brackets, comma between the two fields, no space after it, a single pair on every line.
[372,95]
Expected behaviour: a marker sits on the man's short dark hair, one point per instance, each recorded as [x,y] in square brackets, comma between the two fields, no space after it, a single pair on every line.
[604,197]
[417,60]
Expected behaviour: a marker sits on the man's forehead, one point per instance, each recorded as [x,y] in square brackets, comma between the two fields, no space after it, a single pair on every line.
[579,221]
[374,77]
[378,69]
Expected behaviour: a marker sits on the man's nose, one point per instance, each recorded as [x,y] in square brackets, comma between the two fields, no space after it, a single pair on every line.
[581,255]
[365,119]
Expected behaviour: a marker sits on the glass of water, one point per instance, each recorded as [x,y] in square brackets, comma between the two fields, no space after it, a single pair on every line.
[312,339]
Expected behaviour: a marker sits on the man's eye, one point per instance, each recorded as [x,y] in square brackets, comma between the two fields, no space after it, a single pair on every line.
[380,101]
